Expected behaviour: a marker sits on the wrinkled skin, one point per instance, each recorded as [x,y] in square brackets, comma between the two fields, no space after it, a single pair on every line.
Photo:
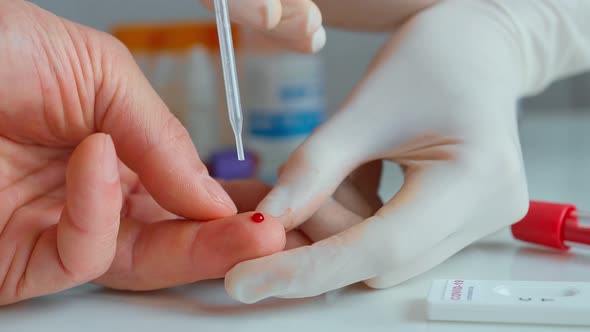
[99,182]
[92,165]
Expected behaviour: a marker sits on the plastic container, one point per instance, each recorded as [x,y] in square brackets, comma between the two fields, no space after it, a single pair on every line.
[224,165]
[283,100]
[181,61]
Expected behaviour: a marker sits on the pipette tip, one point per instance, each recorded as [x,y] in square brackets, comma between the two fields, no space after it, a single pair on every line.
[240,149]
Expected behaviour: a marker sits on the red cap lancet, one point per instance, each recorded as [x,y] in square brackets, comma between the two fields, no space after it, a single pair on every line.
[552,225]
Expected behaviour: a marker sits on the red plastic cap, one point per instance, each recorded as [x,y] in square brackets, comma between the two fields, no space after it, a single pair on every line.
[544,224]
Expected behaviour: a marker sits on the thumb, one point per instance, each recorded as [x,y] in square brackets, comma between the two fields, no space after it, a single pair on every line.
[82,246]
[150,139]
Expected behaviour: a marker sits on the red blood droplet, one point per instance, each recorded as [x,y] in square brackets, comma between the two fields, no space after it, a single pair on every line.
[257,217]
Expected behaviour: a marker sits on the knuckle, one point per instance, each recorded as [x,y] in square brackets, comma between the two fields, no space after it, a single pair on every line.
[107,50]
[382,282]
[112,88]
[116,47]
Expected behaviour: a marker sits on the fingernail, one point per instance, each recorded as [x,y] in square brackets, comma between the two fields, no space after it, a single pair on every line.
[266,16]
[217,193]
[318,40]
[314,19]
[110,162]
[272,13]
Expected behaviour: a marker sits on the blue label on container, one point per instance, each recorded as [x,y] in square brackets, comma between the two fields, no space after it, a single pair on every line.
[284,123]
[289,93]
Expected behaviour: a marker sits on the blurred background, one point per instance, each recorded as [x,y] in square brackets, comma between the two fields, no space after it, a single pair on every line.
[344,65]
[554,142]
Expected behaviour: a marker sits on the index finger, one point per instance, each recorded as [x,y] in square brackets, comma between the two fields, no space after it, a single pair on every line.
[149,138]
[175,252]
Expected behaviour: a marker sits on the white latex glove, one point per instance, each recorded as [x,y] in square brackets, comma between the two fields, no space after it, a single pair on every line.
[297,24]
[440,100]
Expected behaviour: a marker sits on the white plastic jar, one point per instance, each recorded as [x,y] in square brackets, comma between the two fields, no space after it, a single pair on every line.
[180,59]
[283,96]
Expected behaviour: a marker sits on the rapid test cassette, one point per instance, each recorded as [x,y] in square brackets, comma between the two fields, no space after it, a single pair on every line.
[493,301]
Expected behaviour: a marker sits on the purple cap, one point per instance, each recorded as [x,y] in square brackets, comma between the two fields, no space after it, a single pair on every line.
[224,164]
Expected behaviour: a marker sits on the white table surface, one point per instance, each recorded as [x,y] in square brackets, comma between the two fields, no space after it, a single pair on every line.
[557,153]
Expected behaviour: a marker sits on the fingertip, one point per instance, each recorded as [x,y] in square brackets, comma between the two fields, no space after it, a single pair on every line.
[311,43]
[299,28]
[290,198]
[259,14]
[380,283]
[227,242]
[314,19]
[93,167]
[318,40]
[236,288]
[180,183]
[219,196]
[90,147]
[266,235]
[260,235]
[252,281]
[275,203]
[273,11]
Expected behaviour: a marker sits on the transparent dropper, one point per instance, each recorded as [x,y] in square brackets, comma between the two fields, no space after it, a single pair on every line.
[230,76]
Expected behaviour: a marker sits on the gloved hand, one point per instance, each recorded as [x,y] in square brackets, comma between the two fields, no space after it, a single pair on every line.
[297,24]
[91,163]
[439,100]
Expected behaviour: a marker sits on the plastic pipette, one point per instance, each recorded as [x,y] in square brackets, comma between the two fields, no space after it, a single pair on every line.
[230,77]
